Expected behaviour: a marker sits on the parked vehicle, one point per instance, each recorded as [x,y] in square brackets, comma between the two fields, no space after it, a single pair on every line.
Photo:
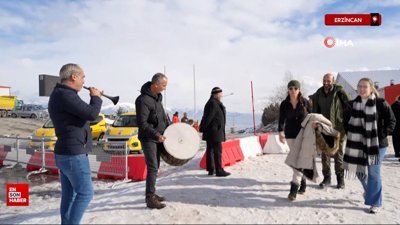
[47,132]
[9,103]
[29,111]
[98,127]
[124,129]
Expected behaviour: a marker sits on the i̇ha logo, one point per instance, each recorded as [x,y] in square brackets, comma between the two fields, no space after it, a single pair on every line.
[17,194]
[331,42]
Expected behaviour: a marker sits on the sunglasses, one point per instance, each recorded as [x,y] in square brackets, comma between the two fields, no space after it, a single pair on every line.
[293,88]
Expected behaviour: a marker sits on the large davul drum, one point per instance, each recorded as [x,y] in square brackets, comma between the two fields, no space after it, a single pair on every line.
[181,144]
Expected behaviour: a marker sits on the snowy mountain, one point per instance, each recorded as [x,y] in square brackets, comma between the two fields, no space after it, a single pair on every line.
[113,109]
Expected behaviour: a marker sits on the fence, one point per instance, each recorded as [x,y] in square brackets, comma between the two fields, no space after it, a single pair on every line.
[108,160]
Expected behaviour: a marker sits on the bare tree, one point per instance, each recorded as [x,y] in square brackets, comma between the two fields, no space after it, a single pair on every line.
[271,111]
[121,110]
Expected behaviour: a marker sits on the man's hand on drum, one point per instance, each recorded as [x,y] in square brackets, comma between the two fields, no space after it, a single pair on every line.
[161,138]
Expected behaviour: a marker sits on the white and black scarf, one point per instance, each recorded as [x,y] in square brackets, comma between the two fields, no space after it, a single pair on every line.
[362,147]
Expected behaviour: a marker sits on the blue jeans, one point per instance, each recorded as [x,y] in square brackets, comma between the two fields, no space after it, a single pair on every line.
[373,184]
[76,186]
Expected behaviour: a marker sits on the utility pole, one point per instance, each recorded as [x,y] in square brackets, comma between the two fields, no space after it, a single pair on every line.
[194,92]
[165,93]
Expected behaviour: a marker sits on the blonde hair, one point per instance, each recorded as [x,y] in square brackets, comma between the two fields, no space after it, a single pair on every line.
[371,84]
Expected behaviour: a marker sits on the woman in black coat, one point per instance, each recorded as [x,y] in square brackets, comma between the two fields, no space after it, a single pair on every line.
[213,128]
[368,121]
[292,112]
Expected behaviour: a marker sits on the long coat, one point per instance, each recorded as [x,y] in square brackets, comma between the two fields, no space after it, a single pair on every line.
[304,151]
[213,122]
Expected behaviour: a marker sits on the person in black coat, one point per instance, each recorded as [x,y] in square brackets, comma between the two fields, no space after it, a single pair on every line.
[213,128]
[396,132]
[71,116]
[152,122]
[368,119]
[292,112]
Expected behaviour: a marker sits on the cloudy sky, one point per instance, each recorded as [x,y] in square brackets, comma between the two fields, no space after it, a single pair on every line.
[122,43]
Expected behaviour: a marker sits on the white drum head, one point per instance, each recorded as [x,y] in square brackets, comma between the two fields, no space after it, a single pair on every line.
[182,141]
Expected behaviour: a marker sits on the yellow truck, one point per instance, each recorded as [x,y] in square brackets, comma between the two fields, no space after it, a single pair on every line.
[9,103]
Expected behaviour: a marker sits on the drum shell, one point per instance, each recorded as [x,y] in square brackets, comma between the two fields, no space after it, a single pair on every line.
[168,158]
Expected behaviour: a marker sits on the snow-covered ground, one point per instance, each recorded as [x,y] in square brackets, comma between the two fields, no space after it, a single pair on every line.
[256,192]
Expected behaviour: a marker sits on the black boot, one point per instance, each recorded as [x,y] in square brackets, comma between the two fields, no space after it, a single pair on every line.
[222,173]
[293,191]
[303,185]
[340,181]
[325,182]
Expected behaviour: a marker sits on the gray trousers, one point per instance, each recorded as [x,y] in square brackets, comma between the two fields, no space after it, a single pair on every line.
[152,153]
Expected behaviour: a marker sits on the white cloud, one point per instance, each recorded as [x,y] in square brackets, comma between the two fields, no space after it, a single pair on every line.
[121,44]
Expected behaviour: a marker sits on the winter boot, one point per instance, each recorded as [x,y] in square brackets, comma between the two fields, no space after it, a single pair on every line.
[153,203]
[160,198]
[293,191]
[303,185]
[340,181]
[325,182]
[222,173]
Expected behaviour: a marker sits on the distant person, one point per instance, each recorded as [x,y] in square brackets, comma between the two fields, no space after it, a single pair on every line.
[185,118]
[175,118]
[71,116]
[368,122]
[213,127]
[196,126]
[152,122]
[396,132]
[292,111]
[329,100]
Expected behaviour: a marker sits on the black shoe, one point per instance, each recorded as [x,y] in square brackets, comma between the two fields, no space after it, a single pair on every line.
[303,185]
[223,173]
[210,173]
[340,181]
[325,182]
[160,198]
[293,191]
[153,203]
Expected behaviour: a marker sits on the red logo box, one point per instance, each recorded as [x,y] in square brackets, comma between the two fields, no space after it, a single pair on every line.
[17,194]
[372,19]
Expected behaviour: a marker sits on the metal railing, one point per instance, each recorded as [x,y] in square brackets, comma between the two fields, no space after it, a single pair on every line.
[108,160]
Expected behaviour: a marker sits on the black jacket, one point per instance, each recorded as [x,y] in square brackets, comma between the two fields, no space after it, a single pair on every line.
[386,120]
[396,111]
[213,122]
[70,116]
[150,114]
[290,119]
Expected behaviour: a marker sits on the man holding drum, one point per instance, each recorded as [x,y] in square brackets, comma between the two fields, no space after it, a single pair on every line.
[152,122]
